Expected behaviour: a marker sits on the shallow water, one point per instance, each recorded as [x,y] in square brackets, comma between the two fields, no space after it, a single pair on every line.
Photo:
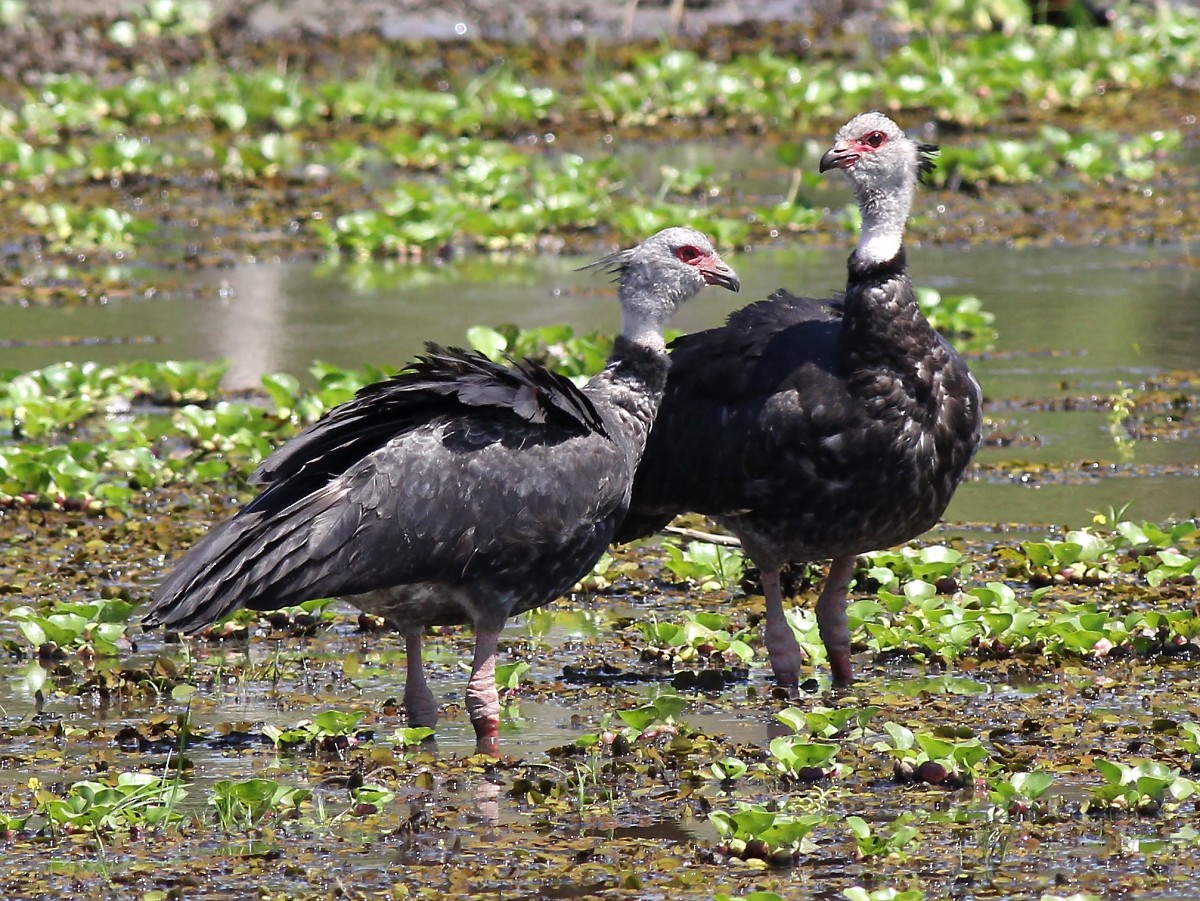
[1072,322]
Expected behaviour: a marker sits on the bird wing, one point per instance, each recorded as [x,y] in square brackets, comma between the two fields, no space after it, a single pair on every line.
[478,471]
[726,384]
[758,349]
[442,382]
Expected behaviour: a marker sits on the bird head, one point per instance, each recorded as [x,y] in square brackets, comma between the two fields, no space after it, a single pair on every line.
[876,154]
[679,254]
[658,275]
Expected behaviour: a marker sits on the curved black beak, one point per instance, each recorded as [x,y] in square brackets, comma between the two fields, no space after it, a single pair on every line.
[839,156]
[717,273]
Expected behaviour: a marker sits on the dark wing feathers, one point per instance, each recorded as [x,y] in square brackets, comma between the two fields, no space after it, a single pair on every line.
[440,382]
[430,475]
[720,383]
[812,429]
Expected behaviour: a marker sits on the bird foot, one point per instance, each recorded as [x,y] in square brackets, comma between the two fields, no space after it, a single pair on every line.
[840,667]
[420,709]
[487,732]
[488,744]
[786,658]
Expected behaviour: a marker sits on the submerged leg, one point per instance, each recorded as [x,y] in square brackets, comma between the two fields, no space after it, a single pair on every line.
[483,701]
[782,647]
[832,623]
[419,705]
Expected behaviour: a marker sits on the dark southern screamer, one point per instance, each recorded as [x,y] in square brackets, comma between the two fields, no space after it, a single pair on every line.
[458,491]
[819,429]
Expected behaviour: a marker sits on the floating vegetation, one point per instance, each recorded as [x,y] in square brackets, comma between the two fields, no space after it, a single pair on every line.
[303,153]
[1096,155]
[1028,690]
[86,629]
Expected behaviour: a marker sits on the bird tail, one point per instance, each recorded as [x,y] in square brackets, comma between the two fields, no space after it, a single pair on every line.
[253,560]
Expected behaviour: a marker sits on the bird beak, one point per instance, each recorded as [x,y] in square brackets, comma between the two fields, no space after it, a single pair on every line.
[717,273]
[839,156]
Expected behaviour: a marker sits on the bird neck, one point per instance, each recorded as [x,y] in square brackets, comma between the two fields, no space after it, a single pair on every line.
[632,385]
[646,305]
[642,332]
[882,323]
[884,214]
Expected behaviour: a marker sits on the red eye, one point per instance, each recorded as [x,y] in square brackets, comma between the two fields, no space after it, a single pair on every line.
[875,139]
[687,253]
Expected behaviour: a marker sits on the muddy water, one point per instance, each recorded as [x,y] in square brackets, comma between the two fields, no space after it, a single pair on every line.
[1073,323]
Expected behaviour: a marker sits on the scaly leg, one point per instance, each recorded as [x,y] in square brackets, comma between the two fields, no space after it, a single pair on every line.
[419,704]
[832,623]
[782,647]
[675,15]
[483,701]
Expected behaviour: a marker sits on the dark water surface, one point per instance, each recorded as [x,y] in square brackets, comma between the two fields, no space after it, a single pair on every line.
[1075,322]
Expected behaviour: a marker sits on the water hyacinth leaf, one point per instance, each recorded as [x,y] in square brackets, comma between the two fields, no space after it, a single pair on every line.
[412,735]
[792,717]
[919,590]
[337,722]
[935,748]
[639,718]
[795,753]
[730,768]
[1032,784]
[669,706]
[858,826]
[899,737]
[182,694]
[487,341]
[509,675]
[858,893]
[283,389]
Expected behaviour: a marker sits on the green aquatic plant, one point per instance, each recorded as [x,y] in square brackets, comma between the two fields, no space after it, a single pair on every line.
[1090,154]
[948,757]
[556,347]
[752,831]
[858,893]
[708,566]
[945,18]
[63,394]
[890,842]
[803,760]
[159,18]
[960,318]
[932,563]
[918,620]
[243,804]
[1081,556]
[1146,788]
[510,675]
[662,711]
[696,639]
[126,800]
[85,628]
[827,722]
[331,730]
[369,799]
[410,736]
[646,721]
[729,769]
[67,227]
[1020,794]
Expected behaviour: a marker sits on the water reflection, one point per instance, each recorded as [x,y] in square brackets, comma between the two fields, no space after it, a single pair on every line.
[1072,322]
